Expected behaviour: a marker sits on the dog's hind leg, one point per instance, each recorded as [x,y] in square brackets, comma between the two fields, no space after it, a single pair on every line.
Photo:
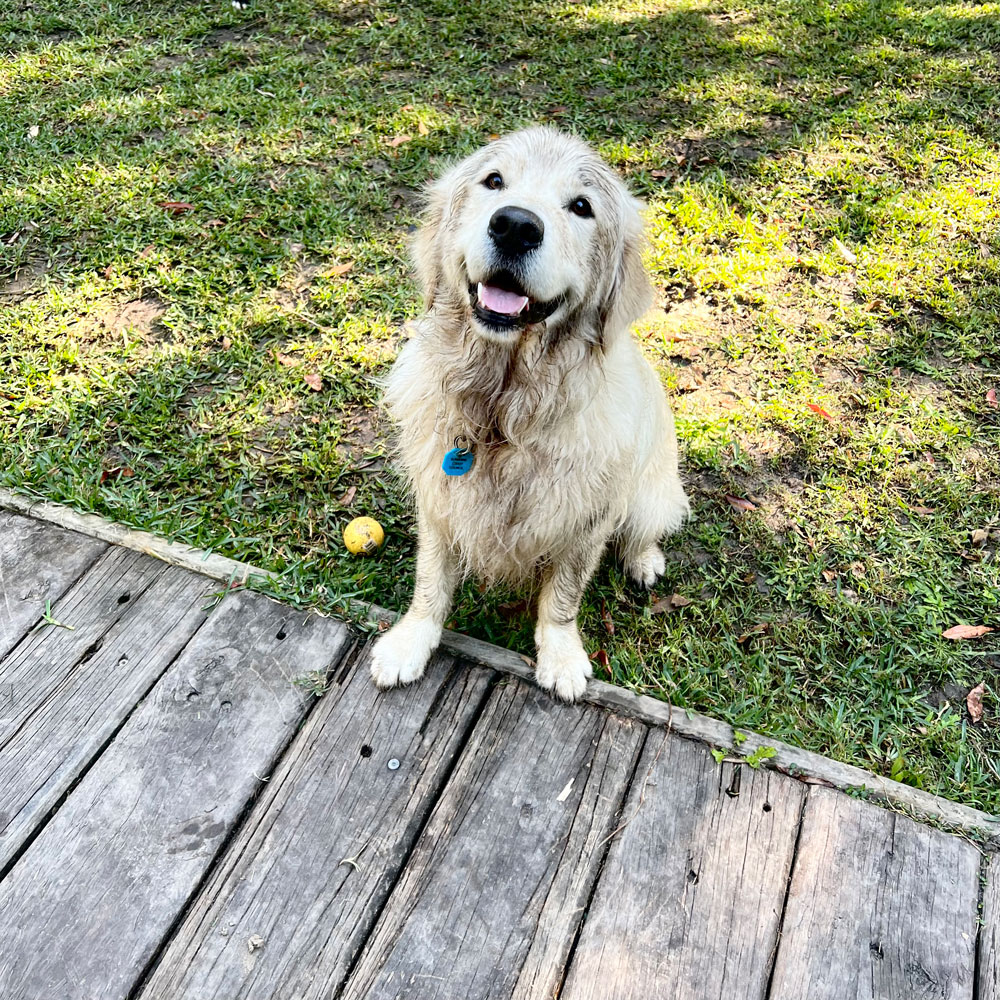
[401,655]
[563,666]
[658,507]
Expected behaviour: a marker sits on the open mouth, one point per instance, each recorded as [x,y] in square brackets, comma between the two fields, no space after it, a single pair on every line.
[502,303]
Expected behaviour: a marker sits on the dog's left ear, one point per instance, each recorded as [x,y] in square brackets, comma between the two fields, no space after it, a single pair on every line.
[426,255]
[630,293]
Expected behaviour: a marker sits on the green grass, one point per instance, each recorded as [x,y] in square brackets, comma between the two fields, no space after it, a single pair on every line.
[823,181]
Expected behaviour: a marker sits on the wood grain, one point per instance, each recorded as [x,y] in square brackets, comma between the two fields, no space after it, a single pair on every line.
[689,901]
[38,562]
[309,872]
[48,743]
[879,908]
[989,934]
[87,905]
[536,791]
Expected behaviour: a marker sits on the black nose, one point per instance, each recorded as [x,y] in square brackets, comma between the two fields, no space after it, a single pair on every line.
[516,230]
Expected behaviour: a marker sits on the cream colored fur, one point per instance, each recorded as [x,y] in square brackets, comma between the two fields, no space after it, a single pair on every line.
[573,438]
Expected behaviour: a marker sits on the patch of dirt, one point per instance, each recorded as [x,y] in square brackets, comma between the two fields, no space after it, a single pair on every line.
[361,435]
[167,62]
[141,316]
[25,282]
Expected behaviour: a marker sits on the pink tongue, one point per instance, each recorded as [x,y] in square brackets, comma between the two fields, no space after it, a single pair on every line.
[500,301]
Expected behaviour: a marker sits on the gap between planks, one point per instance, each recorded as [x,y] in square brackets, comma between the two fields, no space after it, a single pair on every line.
[791,760]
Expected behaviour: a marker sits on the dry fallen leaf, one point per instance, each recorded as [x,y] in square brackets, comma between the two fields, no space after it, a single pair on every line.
[659,175]
[844,252]
[339,269]
[974,701]
[670,603]
[226,343]
[609,625]
[965,631]
[284,359]
[348,498]
[313,380]
[146,251]
[756,630]
[991,397]
[559,109]
[819,409]
[601,657]
[979,536]
[176,207]
[840,91]
[829,575]
[399,140]
[740,504]
[922,510]
[422,129]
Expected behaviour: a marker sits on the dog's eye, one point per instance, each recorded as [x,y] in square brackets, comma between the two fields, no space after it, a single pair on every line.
[493,181]
[582,208]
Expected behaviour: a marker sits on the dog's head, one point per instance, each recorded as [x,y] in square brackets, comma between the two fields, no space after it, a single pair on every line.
[534,228]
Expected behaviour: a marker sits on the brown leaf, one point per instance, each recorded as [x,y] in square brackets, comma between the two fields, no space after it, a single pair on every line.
[559,109]
[348,498]
[921,510]
[609,625]
[175,207]
[384,626]
[511,608]
[313,380]
[226,343]
[422,129]
[965,631]
[819,409]
[756,630]
[601,657]
[985,252]
[109,270]
[738,503]
[670,603]
[398,140]
[829,575]
[214,223]
[979,536]
[339,269]
[659,175]
[974,701]
[857,570]
[146,251]
[284,359]
[840,91]
[991,397]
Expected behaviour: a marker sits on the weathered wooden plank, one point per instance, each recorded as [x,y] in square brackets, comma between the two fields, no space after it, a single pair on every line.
[690,897]
[88,903]
[46,744]
[310,870]
[989,934]
[38,562]
[536,791]
[45,657]
[879,908]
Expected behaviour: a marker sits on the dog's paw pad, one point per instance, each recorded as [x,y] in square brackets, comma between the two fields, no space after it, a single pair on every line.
[401,655]
[647,567]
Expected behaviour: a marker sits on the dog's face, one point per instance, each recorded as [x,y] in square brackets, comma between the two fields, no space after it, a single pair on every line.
[534,228]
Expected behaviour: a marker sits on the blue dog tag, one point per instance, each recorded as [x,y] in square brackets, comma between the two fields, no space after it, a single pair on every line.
[458,461]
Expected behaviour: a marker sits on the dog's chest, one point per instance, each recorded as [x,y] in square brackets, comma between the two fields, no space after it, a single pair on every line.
[515,507]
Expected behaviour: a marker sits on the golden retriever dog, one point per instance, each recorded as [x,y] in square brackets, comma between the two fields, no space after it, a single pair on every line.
[532,429]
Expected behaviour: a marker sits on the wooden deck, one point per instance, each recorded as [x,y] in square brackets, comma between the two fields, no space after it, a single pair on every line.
[181,818]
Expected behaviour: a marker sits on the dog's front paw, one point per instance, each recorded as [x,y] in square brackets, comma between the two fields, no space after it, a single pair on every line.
[401,655]
[647,567]
[563,666]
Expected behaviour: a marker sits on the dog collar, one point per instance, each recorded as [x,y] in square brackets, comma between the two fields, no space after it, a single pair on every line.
[459,459]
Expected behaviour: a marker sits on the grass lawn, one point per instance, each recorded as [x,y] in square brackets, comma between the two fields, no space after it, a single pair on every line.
[204,214]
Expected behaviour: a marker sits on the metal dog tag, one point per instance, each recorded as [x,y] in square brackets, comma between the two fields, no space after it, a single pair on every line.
[458,461]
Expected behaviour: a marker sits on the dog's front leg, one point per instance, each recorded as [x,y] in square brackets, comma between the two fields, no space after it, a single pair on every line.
[401,655]
[563,666]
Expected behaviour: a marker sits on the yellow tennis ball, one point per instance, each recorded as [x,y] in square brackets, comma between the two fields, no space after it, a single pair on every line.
[363,536]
